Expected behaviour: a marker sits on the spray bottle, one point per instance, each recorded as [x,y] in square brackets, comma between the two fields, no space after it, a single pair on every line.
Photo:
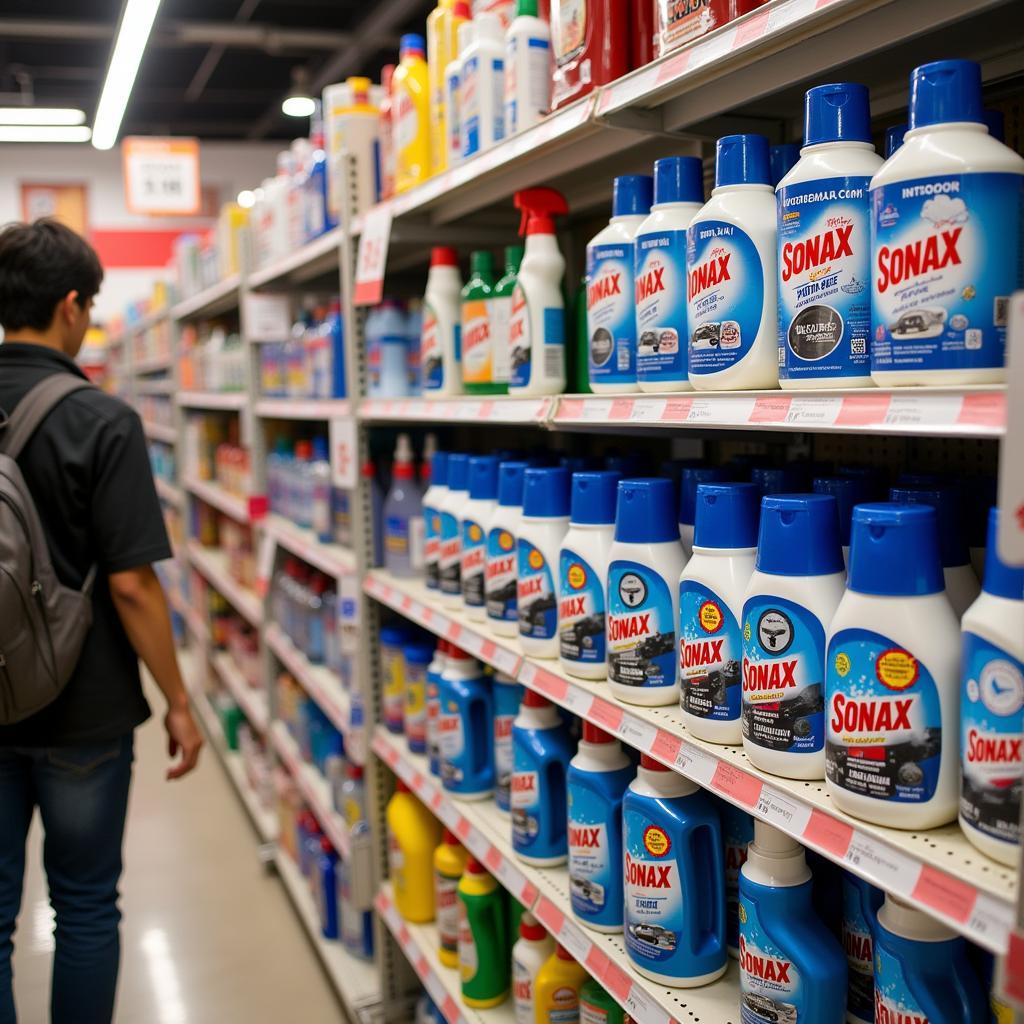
[440,337]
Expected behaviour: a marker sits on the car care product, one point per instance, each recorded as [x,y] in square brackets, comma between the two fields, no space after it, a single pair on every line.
[556,990]
[894,138]
[465,736]
[782,159]
[386,133]
[797,585]
[732,311]
[449,864]
[947,210]
[737,832]
[583,574]
[611,313]
[453,87]
[824,265]
[419,655]
[501,317]
[590,41]
[674,879]
[476,327]
[659,264]
[403,515]
[502,570]
[449,556]
[791,966]
[507,696]
[410,96]
[529,954]
[712,587]
[992,708]
[413,832]
[690,478]
[861,901]
[483,938]
[597,1006]
[679,23]
[541,750]
[542,529]
[433,498]
[440,338]
[536,330]
[482,86]
[476,514]
[393,639]
[643,596]
[848,491]
[527,69]
[434,671]
[921,970]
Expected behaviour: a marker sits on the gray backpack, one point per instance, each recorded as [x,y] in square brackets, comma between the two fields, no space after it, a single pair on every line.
[43,624]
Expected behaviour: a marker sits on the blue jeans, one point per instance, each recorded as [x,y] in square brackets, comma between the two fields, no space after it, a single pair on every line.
[82,796]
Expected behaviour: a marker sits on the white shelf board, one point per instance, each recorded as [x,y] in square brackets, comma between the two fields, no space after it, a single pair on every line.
[218,400]
[233,505]
[332,559]
[499,409]
[168,491]
[158,432]
[254,703]
[314,258]
[314,409]
[212,565]
[213,301]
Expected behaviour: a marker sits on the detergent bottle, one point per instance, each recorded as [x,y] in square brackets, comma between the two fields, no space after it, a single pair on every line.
[482,87]
[477,338]
[410,91]
[508,694]
[413,833]
[433,497]
[501,316]
[861,901]
[465,737]
[393,639]
[502,569]
[449,864]
[597,1006]
[403,515]
[483,492]
[527,69]
[529,954]
[690,478]
[894,138]
[442,34]
[326,889]
[556,991]
[449,559]
[737,832]
[483,938]
[440,334]
[453,83]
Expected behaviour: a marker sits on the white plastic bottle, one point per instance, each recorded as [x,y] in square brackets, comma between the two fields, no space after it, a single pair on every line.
[449,555]
[611,314]
[502,570]
[893,675]
[482,89]
[433,499]
[531,950]
[946,243]
[798,582]
[660,275]
[452,94]
[644,565]
[992,708]
[732,310]
[824,220]
[476,514]
[711,592]
[583,575]
[527,69]
[440,345]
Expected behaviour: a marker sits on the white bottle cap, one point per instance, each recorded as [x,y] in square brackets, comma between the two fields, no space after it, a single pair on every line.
[488,26]
[909,923]
[773,858]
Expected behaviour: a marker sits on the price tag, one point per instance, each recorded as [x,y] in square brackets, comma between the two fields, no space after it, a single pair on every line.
[648,410]
[578,701]
[617,981]
[918,410]
[597,410]
[780,811]
[549,915]
[372,257]
[637,734]
[605,714]
[814,411]
[990,922]
[574,940]
[545,682]
[948,895]
[771,408]
[161,176]
[736,783]
[696,764]
[344,452]
[828,833]
[642,1009]
[666,747]
[677,410]
[882,864]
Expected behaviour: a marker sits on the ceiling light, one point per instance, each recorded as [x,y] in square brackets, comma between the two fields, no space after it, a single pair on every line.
[298,102]
[44,133]
[132,36]
[41,115]
[246,198]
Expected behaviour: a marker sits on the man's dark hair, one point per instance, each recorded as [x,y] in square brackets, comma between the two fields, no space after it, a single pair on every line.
[39,264]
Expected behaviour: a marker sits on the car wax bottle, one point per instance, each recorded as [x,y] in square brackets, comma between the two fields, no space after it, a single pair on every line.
[861,901]
[797,585]
[508,695]
[434,672]
[556,990]
[597,1006]
[690,477]
[433,497]
[848,492]
[477,336]
[483,938]
[465,739]
[413,833]
[476,514]
[529,954]
[502,570]
[449,557]
[737,832]
[449,864]
[501,318]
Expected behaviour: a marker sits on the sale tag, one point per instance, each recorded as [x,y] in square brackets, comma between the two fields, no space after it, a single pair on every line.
[344,452]
[373,256]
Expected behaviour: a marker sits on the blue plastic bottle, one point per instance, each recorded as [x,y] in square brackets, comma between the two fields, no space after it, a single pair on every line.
[861,901]
[507,696]
[737,831]
[827,891]
[465,737]
[791,966]
[541,750]
[674,879]
[326,889]
[334,325]
[597,780]
[387,351]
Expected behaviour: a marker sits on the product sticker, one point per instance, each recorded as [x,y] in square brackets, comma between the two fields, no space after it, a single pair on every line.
[474,563]
[407,123]
[563,1005]
[595,857]
[431,357]
[661,331]
[449,555]
[522,992]
[858,946]
[501,574]
[895,1003]
[824,278]
[710,654]
[945,259]
[535,594]
[679,21]
[737,832]
[554,343]
[520,340]
[771,989]
[396,860]
[476,342]
[568,29]
[641,627]
[783,675]
[396,536]
[503,759]
[451,744]
[452,87]
[884,719]
[446,897]
[415,716]
[611,317]
[581,624]
[393,688]
[590,1013]
[432,546]
[654,918]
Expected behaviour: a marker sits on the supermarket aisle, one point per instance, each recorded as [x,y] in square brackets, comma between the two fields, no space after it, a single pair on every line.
[208,936]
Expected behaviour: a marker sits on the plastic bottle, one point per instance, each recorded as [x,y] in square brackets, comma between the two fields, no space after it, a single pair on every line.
[501,316]
[590,41]
[824,255]
[797,585]
[674,910]
[403,515]
[643,596]
[737,832]
[597,1006]
[434,672]
[583,575]
[387,133]
[791,966]
[556,990]
[387,352]
[441,36]
[477,328]
[464,730]
[536,331]
[660,275]
[368,472]
[418,656]
[320,488]
[326,889]
[482,86]
[501,573]
[508,695]
[611,313]
[529,955]
[476,514]
[410,92]
[483,938]
[861,901]
[449,865]
[302,481]
[711,592]
[541,751]
[992,708]
[356,917]
[732,309]
[449,559]
[782,159]
[413,832]
[946,252]
[527,69]
[393,639]
[440,341]
[849,491]
[453,87]
[597,779]
[433,498]
[690,479]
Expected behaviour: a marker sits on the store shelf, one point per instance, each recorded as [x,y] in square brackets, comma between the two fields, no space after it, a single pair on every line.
[332,559]
[242,510]
[254,703]
[228,400]
[314,409]
[154,364]
[158,432]
[213,301]
[168,491]
[457,410]
[318,257]
[212,564]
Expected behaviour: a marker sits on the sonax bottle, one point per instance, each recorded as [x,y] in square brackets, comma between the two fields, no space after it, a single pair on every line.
[861,901]
[449,559]
[502,568]
[476,515]
[690,479]
[433,498]
[465,736]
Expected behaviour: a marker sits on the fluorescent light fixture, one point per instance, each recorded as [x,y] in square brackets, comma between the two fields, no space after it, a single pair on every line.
[41,115]
[44,133]
[246,198]
[298,106]
[132,36]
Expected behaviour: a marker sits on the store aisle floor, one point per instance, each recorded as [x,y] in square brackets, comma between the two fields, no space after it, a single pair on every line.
[208,936]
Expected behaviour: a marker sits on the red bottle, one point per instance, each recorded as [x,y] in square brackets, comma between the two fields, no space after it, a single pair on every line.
[680,21]
[591,44]
[642,37]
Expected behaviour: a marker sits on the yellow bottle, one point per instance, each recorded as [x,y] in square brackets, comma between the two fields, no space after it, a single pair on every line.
[410,93]
[439,53]
[413,833]
[449,864]
[556,990]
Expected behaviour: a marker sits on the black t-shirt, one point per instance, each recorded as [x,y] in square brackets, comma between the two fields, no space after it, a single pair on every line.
[88,472]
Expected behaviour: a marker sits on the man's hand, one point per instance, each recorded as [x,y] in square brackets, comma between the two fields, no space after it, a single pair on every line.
[183,738]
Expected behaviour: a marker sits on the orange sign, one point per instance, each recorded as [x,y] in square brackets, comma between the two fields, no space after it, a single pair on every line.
[66,203]
[161,176]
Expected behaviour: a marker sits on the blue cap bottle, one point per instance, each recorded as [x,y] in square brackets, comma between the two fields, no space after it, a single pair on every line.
[476,517]
[449,556]
[433,498]
[501,568]
[848,491]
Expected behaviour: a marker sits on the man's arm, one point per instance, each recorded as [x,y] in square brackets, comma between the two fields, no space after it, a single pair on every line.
[142,607]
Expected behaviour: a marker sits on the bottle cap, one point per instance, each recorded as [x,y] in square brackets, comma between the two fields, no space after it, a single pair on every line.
[419,652]
[643,513]
[303,450]
[458,654]
[488,26]
[411,43]
[483,477]
[546,492]
[513,258]
[894,138]
[1001,580]
[510,483]
[726,516]
[593,498]
[462,11]
[449,838]
[945,91]
[595,734]
[394,636]
[788,479]
[529,927]
[474,867]
[354,771]
[742,160]
[894,550]
[533,699]
[320,448]
[386,74]
[946,500]
[481,262]
[401,786]
[690,478]
[458,472]
[678,179]
[848,491]
[799,535]
[439,469]
[839,112]
[632,194]
[648,762]
[526,8]
[539,207]
[782,158]
[443,256]
[996,124]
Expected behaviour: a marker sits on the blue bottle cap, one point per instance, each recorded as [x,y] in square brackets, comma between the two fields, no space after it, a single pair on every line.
[546,492]
[742,160]
[787,479]
[439,468]
[894,550]
[1001,580]
[894,138]
[483,477]
[593,497]
[320,450]
[419,652]
[632,194]
[510,483]
[839,112]
[726,516]
[947,502]
[848,491]
[690,477]
[458,471]
[799,535]
[678,179]
[411,42]
[643,511]
[945,91]
[782,158]
[996,124]
[395,636]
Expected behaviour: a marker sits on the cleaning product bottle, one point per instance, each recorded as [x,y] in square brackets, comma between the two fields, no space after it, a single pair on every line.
[597,779]
[611,315]
[449,558]
[355,910]
[824,264]
[946,238]
[418,656]
[921,970]
[541,751]
[796,587]
[992,708]
[403,515]
[675,910]
[737,831]
[529,954]
[326,889]
[387,133]
[387,351]
[791,966]
[556,990]
[861,901]
[433,498]
[483,493]
[413,832]
[502,570]
[730,264]
[893,675]
[482,87]
[536,330]
[393,639]
[711,591]
[410,92]
[453,84]
[465,737]
[590,41]
[690,479]
[643,596]
[434,673]
[849,491]
[477,329]
[542,529]
[660,274]
[501,318]
[483,938]
[527,69]
[597,1006]
[441,34]
[507,696]
[449,864]
[440,340]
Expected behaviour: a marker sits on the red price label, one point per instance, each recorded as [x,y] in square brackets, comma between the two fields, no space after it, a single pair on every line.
[373,256]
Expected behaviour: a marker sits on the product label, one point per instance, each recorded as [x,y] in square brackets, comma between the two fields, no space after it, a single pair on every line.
[535,594]
[710,654]
[611,317]
[581,625]
[771,989]
[501,313]
[884,719]
[396,860]
[568,29]
[469,104]
[431,355]
[594,863]
[500,576]
[641,627]
[446,899]
[520,339]
[503,759]
[406,121]
[725,295]
[393,695]
[525,803]
[682,20]
[453,131]
[432,546]
[449,555]
[522,992]
[991,739]
[396,536]
[415,720]
[858,946]
[563,1005]
[474,562]
[895,1003]
[476,342]
[783,676]
[946,258]
[824,278]
[433,714]
[591,1014]
[654,919]
[660,284]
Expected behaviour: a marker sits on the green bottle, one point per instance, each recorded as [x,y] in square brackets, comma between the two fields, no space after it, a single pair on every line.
[477,328]
[515,912]
[485,961]
[597,1007]
[577,373]
[501,315]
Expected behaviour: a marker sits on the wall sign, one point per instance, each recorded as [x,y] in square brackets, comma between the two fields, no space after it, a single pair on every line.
[161,176]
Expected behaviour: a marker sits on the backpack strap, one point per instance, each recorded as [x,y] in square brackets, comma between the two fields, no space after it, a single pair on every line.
[33,408]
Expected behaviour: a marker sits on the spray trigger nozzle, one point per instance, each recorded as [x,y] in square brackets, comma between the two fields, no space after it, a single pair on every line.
[539,206]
